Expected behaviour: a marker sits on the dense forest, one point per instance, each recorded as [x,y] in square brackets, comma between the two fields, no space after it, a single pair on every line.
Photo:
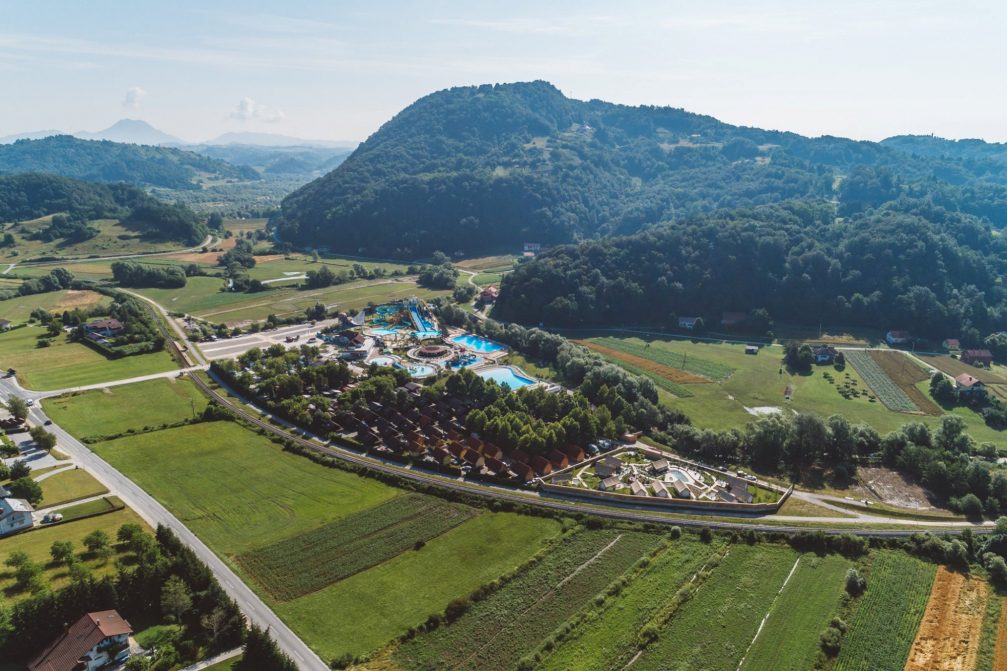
[482,168]
[103,161]
[32,195]
[907,264]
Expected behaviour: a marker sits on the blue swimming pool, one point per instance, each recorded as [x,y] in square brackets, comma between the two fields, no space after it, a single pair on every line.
[419,370]
[384,361]
[464,361]
[503,375]
[382,331]
[477,343]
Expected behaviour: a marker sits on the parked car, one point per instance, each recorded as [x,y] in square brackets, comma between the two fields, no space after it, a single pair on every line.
[47,422]
[50,518]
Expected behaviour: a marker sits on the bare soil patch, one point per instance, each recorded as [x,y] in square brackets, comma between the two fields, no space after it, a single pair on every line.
[906,373]
[674,374]
[954,368]
[892,488]
[1000,651]
[948,637]
[78,299]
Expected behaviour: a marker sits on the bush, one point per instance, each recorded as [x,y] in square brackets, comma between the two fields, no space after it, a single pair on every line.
[855,583]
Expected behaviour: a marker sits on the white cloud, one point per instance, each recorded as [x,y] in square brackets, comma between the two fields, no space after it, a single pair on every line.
[132,97]
[250,110]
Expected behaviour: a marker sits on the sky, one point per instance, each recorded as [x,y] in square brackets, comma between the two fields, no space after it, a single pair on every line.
[337,70]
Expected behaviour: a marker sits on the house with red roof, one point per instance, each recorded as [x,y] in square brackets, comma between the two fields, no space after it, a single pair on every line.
[93,642]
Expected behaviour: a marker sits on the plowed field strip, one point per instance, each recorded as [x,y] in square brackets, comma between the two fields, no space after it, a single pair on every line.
[1000,656]
[949,635]
[667,372]
[954,368]
[906,373]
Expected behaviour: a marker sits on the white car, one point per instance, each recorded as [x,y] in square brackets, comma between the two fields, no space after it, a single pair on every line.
[30,402]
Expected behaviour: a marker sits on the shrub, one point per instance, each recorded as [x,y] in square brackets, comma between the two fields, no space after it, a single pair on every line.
[855,583]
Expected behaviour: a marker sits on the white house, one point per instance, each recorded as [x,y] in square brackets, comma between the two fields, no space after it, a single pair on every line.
[15,515]
[95,641]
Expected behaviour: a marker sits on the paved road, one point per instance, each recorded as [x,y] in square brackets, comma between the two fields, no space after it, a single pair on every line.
[38,395]
[209,240]
[154,513]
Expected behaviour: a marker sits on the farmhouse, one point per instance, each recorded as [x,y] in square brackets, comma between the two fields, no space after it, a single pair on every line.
[488,295]
[969,385]
[95,641]
[15,515]
[896,337]
[106,328]
[687,323]
[977,357]
[951,344]
[824,353]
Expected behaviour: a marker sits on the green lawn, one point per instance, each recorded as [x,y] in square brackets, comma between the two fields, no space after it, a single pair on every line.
[71,485]
[226,665]
[112,239]
[789,641]
[202,297]
[18,309]
[104,412]
[235,488]
[367,610]
[68,364]
[713,630]
[38,541]
[760,381]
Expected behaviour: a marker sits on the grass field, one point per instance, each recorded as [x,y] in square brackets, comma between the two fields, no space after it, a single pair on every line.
[496,632]
[226,665]
[351,545]
[499,263]
[68,364]
[269,494]
[365,611]
[111,239]
[70,485]
[888,615]
[37,543]
[18,309]
[609,639]
[105,504]
[713,630]
[203,298]
[789,640]
[668,354]
[104,412]
[993,623]
[760,381]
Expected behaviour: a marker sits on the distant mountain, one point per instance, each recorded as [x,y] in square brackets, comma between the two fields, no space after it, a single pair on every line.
[30,135]
[302,160]
[131,131]
[105,161]
[274,140]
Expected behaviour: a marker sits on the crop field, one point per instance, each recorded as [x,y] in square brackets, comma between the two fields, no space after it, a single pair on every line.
[665,377]
[365,611]
[70,485]
[955,367]
[789,640]
[949,635]
[269,494]
[351,545]
[68,364]
[884,387]
[37,543]
[888,615]
[609,639]
[499,630]
[999,657]
[713,630]
[663,353]
[906,373]
[105,412]
[19,309]
[485,264]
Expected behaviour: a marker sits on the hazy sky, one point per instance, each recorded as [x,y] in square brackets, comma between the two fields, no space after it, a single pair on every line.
[338,70]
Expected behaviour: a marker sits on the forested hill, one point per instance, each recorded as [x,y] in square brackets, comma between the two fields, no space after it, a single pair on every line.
[104,161]
[480,168]
[29,196]
[907,264]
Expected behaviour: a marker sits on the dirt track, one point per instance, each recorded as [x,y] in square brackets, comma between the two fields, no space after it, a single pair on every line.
[667,372]
[948,637]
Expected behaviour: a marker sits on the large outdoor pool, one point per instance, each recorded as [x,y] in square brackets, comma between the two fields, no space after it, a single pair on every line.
[477,343]
[503,375]
[419,370]
[464,361]
[384,360]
